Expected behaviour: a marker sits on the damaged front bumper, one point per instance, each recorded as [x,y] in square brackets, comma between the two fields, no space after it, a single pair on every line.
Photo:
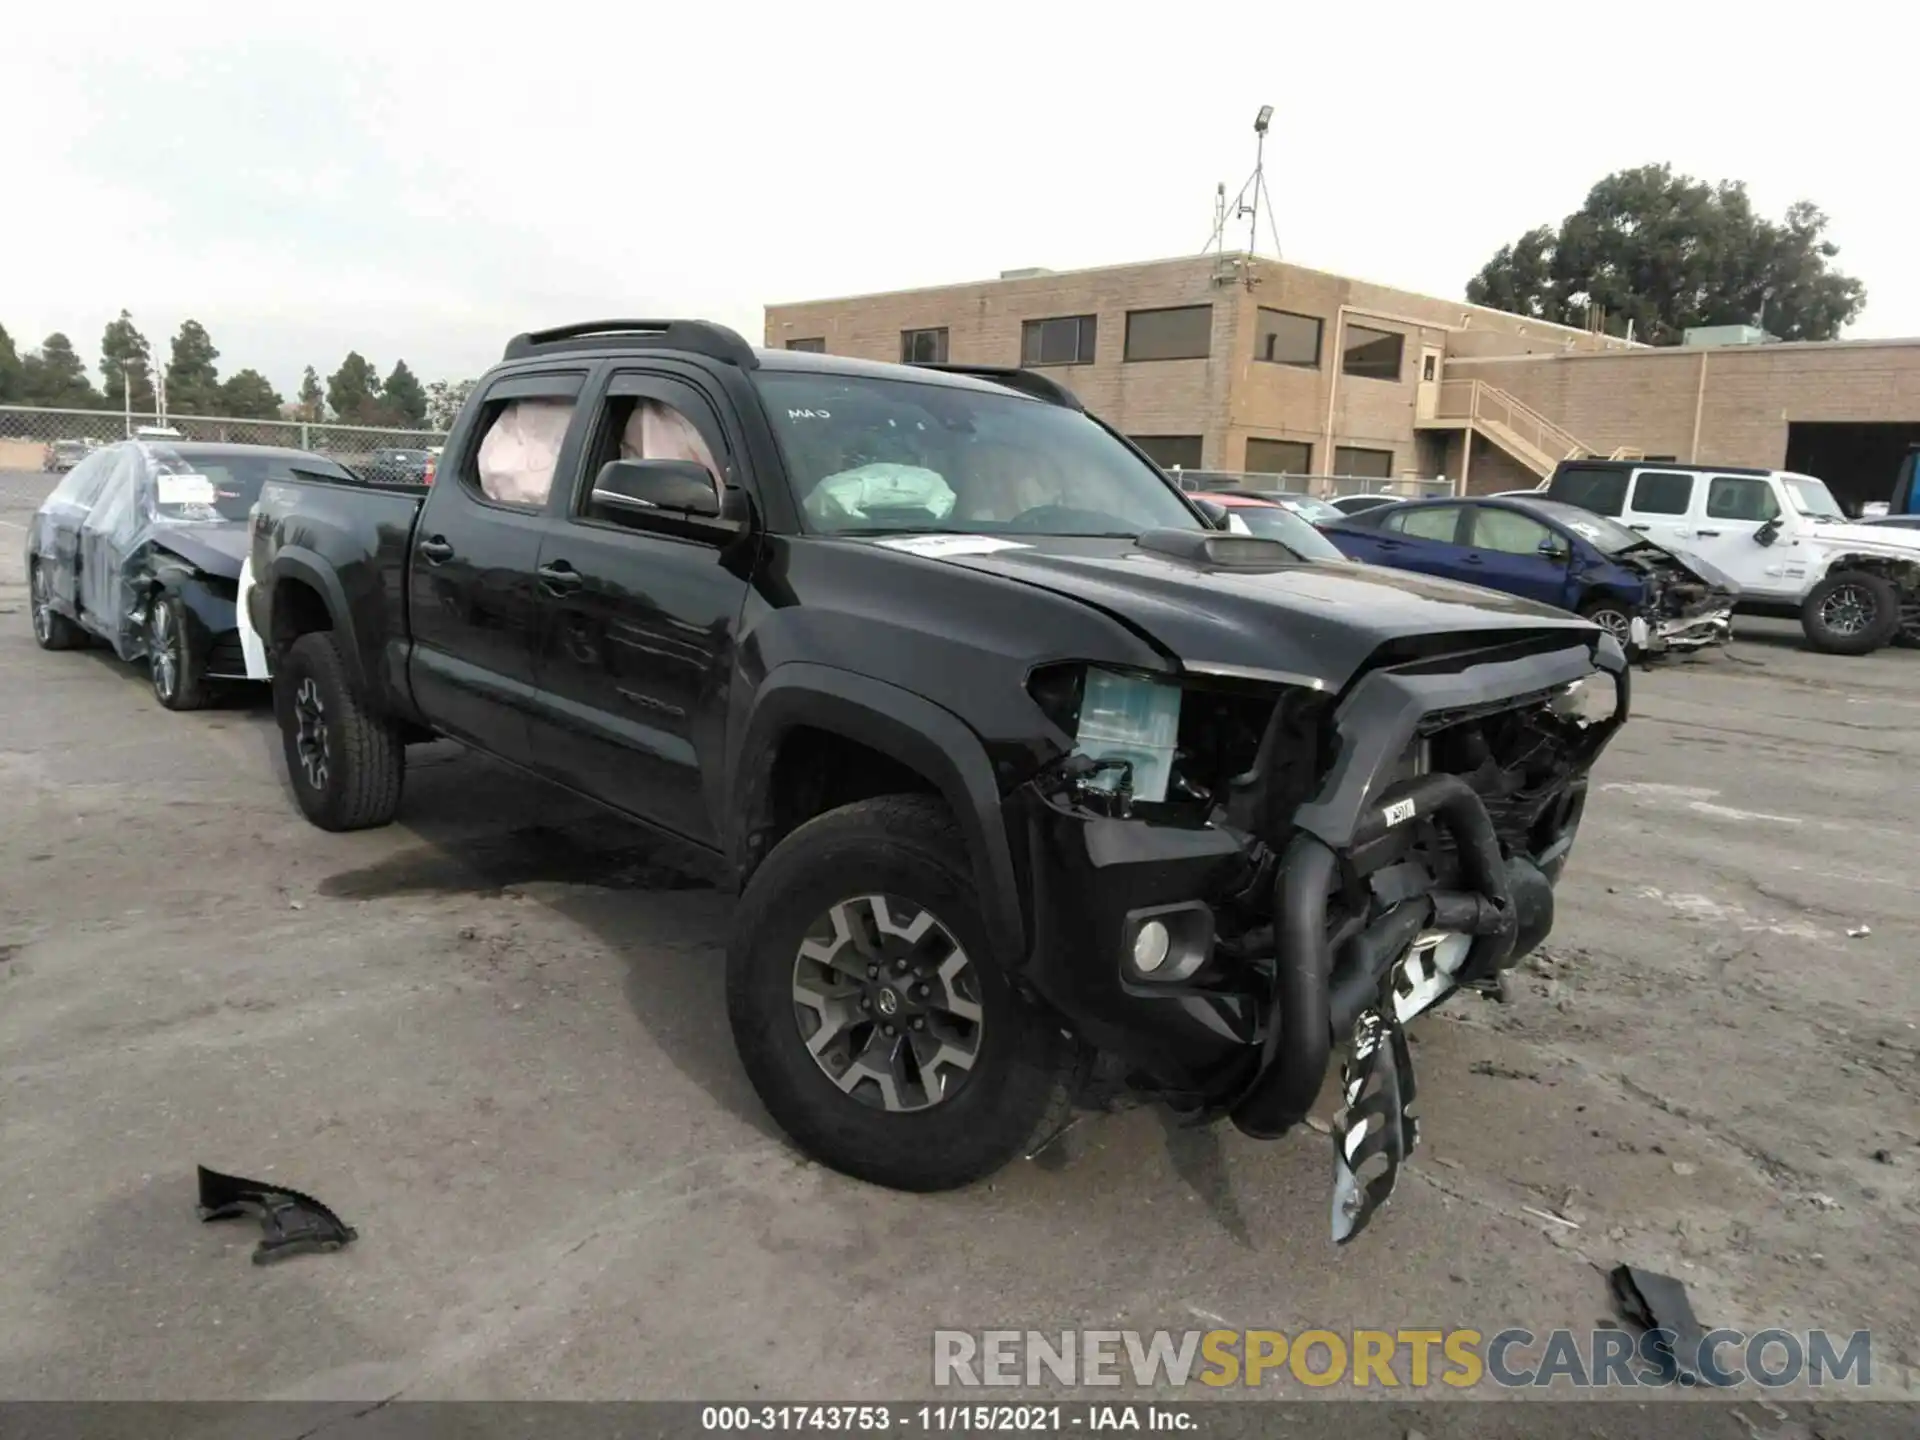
[1680,634]
[1223,963]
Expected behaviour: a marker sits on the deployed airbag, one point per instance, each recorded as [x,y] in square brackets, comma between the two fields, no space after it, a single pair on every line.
[521,448]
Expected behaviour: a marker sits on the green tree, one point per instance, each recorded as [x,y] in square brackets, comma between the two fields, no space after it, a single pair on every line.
[404,397]
[56,376]
[250,395]
[10,378]
[312,400]
[444,400]
[353,391]
[1664,252]
[193,384]
[126,361]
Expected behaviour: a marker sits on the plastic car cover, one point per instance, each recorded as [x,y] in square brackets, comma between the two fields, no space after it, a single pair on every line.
[521,448]
[156,491]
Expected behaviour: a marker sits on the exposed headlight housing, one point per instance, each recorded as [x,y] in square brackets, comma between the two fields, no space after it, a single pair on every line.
[1133,720]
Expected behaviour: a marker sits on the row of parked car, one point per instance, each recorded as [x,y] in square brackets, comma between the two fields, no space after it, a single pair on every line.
[1660,555]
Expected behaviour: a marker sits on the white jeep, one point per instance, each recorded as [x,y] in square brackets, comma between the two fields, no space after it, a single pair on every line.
[1779,534]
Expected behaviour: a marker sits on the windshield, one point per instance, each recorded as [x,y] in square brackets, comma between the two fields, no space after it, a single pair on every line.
[1605,535]
[873,456]
[217,488]
[1811,497]
[1274,522]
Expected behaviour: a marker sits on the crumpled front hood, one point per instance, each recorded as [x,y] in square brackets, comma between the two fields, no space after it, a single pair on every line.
[1878,539]
[218,549]
[1313,622]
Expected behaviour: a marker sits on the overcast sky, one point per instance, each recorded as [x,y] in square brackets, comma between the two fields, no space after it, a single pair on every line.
[421,180]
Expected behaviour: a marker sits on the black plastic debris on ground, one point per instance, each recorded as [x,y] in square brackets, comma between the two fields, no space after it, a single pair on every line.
[1659,1305]
[291,1223]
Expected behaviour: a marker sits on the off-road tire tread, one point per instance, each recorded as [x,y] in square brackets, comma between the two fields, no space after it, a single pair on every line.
[1867,641]
[1036,1094]
[367,753]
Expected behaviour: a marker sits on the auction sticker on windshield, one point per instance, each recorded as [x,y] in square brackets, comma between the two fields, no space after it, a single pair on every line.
[184,489]
[939,547]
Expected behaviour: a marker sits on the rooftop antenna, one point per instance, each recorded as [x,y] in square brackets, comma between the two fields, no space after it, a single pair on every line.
[1247,205]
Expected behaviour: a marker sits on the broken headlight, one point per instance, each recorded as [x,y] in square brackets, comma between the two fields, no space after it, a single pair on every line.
[1587,702]
[1129,725]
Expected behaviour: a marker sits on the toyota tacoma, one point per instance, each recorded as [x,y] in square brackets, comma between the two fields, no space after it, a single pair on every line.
[1030,773]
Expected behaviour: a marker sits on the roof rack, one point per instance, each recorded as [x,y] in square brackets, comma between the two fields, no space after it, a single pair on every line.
[698,337]
[1027,382]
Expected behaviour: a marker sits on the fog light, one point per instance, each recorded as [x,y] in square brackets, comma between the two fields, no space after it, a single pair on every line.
[1150,947]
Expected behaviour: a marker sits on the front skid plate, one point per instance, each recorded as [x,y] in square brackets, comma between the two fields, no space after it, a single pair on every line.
[1375,1132]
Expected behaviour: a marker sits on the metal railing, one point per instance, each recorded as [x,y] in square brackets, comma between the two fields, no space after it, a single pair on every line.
[1481,403]
[37,439]
[1325,487]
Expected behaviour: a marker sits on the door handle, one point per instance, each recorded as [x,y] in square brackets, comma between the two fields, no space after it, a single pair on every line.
[559,578]
[1700,534]
[435,550]
[1641,528]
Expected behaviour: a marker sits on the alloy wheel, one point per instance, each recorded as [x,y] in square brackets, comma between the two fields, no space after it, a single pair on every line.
[163,650]
[310,733]
[1847,610]
[42,605]
[888,1003]
[1615,623]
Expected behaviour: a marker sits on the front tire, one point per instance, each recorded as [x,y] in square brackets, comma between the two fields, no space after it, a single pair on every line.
[51,629]
[1852,613]
[870,1012]
[346,764]
[174,664]
[1614,618]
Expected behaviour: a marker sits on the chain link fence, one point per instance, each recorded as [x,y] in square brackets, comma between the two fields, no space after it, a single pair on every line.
[33,439]
[1326,487]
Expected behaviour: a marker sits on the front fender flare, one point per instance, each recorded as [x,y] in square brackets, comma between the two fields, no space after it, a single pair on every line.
[898,723]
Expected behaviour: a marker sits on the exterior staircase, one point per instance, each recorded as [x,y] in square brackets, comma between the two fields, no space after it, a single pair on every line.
[1516,427]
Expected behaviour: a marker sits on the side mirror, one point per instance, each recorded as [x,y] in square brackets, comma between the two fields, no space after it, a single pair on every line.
[1218,516]
[1767,533]
[632,492]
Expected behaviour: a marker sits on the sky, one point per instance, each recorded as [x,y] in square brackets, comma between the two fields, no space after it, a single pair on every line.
[421,180]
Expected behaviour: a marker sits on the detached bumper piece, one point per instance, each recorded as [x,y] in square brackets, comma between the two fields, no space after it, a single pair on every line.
[1377,1123]
[292,1223]
[1682,634]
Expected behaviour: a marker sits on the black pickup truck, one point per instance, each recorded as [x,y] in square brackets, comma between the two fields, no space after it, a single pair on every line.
[1032,775]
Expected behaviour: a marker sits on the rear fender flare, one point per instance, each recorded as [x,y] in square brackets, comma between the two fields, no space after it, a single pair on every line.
[898,723]
[294,562]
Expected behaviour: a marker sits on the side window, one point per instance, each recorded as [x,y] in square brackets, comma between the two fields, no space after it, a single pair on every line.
[82,483]
[1601,490]
[1662,492]
[1436,522]
[518,451]
[653,420]
[1741,497]
[1508,531]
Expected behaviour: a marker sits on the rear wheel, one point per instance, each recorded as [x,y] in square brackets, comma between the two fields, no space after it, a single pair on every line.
[346,763]
[51,629]
[1851,613]
[870,1013]
[173,660]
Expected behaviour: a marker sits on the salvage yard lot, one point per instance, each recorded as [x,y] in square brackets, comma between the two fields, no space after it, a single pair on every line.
[493,1038]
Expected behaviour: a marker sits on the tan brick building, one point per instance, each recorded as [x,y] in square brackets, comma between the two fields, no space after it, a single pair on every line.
[1226,363]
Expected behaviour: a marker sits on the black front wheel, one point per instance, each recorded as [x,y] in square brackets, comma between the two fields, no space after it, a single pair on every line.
[870,1012]
[346,763]
[174,663]
[1851,613]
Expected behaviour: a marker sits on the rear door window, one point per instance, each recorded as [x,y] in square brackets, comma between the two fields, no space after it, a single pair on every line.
[1427,522]
[1601,489]
[1662,492]
[516,448]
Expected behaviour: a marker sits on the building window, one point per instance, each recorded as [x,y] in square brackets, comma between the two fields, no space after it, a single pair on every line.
[1170,451]
[817,344]
[1372,354]
[1429,366]
[1373,464]
[1182,334]
[1279,457]
[923,347]
[1287,339]
[1064,340]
